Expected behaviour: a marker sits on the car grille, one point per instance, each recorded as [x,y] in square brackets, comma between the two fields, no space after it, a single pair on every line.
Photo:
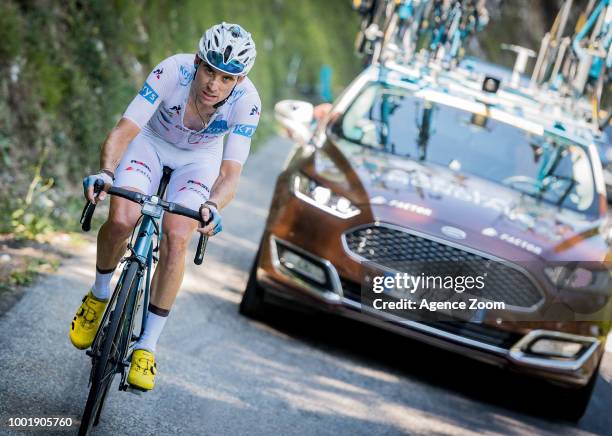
[400,251]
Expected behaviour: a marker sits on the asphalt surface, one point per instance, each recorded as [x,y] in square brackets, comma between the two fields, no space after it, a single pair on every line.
[302,374]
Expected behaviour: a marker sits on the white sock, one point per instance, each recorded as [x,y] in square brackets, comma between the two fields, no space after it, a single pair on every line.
[154,327]
[101,287]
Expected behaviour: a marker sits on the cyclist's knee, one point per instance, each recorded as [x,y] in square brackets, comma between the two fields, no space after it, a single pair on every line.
[178,231]
[176,239]
[121,225]
[122,218]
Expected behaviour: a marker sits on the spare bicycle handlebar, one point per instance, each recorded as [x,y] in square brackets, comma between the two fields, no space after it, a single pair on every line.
[139,198]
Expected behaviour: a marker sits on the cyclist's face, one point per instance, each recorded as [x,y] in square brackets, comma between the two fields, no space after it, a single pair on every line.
[213,86]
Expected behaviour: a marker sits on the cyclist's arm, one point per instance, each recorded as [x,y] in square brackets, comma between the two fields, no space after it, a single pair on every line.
[222,192]
[116,143]
[225,187]
[112,150]
[235,152]
[243,124]
[158,85]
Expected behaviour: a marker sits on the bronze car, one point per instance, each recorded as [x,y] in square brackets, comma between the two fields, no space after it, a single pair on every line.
[407,176]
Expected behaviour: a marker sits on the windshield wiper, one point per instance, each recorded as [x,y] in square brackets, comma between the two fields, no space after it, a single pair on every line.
[545,187]
[540,188]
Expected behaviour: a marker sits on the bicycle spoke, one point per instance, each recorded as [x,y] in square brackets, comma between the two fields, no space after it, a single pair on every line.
[112,372]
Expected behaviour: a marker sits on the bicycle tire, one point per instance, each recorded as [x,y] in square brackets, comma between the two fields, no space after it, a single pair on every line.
[101,407]
[102,378]
[124,334]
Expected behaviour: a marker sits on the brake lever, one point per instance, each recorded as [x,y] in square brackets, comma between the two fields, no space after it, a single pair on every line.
[199,256]
[90,207]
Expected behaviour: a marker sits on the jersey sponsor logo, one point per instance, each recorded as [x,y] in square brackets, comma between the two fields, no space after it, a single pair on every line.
[235,95]
[161,118]
[148,93]
[197,191]
[142,164]
[158,72]
[217,127]
[245,130]
[141,171]
[165,114]
[186,76]
[196,182]
[254,110]
[176,109]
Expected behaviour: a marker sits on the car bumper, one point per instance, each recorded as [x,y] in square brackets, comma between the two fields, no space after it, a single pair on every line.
[504,349]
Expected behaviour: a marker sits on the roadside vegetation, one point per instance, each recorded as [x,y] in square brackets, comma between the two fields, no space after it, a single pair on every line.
[68,70]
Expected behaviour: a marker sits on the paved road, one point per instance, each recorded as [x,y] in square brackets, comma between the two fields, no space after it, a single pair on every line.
[221,374]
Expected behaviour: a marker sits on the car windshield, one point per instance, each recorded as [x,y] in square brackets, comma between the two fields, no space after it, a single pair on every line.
[395,121]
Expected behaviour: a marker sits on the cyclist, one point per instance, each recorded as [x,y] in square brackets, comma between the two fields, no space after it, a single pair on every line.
[179,119]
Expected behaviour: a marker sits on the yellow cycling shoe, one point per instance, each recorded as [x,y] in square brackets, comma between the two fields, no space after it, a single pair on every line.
[142,370]
[86,321]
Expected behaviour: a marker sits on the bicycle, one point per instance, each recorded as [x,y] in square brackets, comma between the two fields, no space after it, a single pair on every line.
[578,66]
[115,338]
[454,22]
[396,29]
[388,25]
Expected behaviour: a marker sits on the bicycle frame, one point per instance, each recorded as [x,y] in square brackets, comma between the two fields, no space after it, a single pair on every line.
[143,254]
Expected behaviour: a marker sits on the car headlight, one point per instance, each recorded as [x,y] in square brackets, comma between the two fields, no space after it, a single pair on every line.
[580,278]
[309,191]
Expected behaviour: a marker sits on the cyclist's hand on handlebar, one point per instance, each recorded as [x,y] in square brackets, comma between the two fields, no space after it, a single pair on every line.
[88,186]
[210,215]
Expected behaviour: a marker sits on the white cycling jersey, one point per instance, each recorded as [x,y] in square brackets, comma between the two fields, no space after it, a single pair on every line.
[195,156]
[160,105]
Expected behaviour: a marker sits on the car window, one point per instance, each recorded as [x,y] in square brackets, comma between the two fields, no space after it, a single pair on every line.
[395,121]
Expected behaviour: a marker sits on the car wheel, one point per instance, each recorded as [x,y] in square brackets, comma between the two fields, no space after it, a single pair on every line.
[252,304]
[573,403]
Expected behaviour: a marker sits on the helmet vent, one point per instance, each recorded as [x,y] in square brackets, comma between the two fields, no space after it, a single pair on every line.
[227,53]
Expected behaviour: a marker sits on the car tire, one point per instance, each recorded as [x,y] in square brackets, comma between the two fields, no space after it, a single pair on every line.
[252,304]
[573,403]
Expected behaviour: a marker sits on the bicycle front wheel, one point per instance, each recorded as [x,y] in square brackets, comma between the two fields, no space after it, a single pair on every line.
[110,353]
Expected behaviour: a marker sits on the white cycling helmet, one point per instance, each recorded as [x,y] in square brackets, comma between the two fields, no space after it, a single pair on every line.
[228,48]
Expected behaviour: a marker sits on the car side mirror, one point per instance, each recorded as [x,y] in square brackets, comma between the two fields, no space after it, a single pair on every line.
[295,116]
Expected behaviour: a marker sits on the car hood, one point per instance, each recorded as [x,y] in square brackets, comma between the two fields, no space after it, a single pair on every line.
[473,211]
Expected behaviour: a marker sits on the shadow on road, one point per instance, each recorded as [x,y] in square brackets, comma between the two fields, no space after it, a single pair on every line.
[438,368]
